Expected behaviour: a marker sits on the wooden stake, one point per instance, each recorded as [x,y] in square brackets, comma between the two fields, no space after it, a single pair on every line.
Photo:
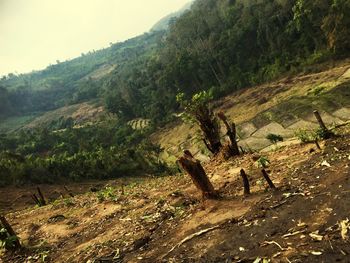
[245,182]
[196,171]
[10,231]
[123,192]
[327,133]
[268,180]
[320,121]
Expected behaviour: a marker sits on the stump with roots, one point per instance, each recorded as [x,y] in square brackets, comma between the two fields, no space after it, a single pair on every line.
[199,177]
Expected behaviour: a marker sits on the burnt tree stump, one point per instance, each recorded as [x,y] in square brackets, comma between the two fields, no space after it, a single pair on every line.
[199,177]
[245,182]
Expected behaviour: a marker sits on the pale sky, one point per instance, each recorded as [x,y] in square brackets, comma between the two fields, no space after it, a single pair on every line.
[35,33]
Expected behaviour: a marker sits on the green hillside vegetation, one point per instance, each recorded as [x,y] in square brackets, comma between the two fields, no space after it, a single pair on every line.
[218,46]
[93,152]
[70,82]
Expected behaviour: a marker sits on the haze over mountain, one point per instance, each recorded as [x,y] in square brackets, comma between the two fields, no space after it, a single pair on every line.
[36,33]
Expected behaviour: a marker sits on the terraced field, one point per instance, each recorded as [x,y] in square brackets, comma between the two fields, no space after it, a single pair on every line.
[282,107]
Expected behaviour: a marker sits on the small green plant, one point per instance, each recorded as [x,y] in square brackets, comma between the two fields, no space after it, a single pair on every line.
[306,136]
[274,138]
[309,136]
[106,194]
[6,240]
[43,255]
[263,162]
[68,202]
[323,134]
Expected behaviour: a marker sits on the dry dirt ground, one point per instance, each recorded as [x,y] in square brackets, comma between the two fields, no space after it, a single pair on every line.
[165,220]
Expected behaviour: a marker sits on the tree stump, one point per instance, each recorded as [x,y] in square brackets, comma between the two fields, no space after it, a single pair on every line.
[195,170]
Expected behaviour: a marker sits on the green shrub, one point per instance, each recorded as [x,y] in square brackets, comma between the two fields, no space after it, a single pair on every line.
[274,138]
[306,136]
[107,194]
[263,162]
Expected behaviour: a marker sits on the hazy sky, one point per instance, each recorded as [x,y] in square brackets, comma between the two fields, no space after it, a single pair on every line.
[35,33]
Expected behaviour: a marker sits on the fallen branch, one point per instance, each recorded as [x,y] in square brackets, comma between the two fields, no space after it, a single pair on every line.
[279,204]
[188,238]
[340,125]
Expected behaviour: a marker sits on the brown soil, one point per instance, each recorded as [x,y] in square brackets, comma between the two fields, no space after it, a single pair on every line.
[146,220]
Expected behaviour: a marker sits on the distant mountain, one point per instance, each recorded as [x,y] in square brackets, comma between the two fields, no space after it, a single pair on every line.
[164,23]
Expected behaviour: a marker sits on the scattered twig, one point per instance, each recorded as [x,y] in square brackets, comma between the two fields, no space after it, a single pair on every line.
[279,204]
[274,243]
[294,233]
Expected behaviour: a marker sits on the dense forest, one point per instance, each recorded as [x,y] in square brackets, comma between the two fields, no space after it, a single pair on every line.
[218,45]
